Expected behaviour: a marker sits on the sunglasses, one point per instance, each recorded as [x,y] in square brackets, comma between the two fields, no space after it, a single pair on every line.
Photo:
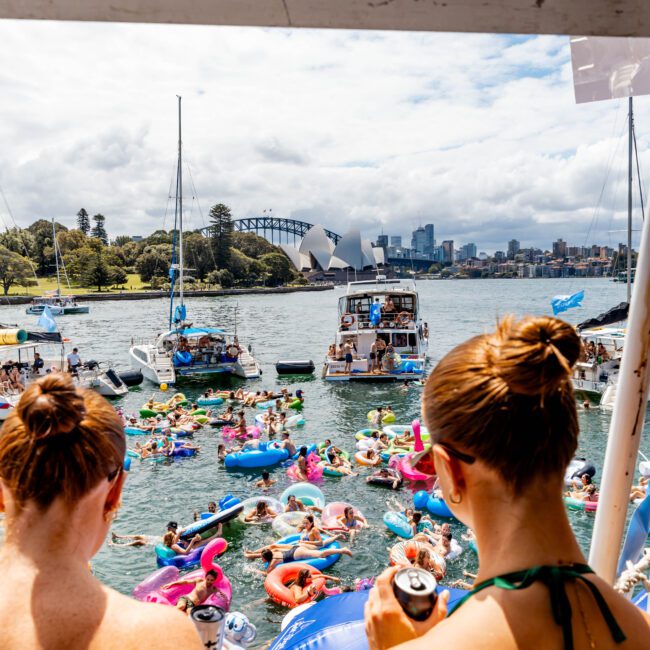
[423,461]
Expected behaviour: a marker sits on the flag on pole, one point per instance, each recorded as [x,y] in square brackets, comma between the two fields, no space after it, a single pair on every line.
[562,303]
[46,321]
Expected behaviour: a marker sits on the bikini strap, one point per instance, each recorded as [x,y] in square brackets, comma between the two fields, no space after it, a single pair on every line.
[554,577]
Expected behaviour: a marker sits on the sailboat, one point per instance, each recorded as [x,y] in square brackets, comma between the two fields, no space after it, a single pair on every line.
[187,351]
[59,305]
[604,336]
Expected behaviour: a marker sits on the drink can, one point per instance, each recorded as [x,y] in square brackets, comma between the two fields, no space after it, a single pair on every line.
[209,622]
[415,589]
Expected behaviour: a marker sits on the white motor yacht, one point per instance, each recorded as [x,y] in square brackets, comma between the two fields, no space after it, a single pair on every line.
[380,325]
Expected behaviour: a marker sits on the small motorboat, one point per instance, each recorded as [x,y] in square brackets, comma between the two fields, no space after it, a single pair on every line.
[300,367]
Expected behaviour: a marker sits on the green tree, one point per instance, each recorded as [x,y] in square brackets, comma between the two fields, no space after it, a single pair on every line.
[221,230]
[70,240]
[118,276]
[154,262]
[199,257]
[94,268]
[252,245]
[159,237]
[99,229]
[122,240]
[18,241]
[278,268]
[14,269]
[43,252]
[83,221]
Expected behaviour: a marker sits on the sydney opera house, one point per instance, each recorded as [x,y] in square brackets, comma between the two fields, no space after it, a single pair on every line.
[320,259]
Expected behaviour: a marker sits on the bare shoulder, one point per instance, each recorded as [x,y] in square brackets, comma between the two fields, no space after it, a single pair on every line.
[142,625]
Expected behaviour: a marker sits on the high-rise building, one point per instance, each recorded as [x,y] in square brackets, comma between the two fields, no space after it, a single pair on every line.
[467,251]
[396,240]
[559,248]
[418,240]
[429,239]
[514,246]
[382,241]
[448,251]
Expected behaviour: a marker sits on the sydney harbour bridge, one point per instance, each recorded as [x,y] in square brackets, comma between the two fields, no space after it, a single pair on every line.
[284,231]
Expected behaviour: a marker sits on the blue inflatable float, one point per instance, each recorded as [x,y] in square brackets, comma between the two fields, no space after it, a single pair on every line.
[334,623]
[320,563]
[267,454]
[397,523]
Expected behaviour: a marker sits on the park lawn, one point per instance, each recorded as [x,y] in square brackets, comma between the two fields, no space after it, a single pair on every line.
[134,283]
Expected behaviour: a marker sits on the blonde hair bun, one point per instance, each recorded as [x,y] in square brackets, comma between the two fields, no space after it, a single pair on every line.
[535,356]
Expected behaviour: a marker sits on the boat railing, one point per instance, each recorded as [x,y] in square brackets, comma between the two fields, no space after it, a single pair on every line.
[387,321]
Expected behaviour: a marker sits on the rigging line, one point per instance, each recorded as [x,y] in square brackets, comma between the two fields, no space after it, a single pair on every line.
[607,191]
[19,233]
[612,156]
[638,172]
[198,203]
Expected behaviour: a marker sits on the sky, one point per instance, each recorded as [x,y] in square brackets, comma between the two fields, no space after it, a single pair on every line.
[384,131]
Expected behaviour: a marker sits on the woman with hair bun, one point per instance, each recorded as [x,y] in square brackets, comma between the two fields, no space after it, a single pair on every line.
[502,417]
[61,455]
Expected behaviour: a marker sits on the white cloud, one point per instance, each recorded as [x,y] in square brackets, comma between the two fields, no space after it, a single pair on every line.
[477,133]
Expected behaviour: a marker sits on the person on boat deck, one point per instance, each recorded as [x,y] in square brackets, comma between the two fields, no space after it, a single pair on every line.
[491,405]
[288,444]
[347,353]
[389,305]
[425,331]
[389,359]
[603,355]
[38,364]
[203,588]
[57,516]
[591,350]
[331,351]
[266,482]
[381,351]
[74,361]
[16,380]
[276,554]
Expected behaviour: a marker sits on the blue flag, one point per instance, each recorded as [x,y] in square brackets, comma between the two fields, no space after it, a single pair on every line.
[46,321]
[562,303]
[637,534]
[375,313]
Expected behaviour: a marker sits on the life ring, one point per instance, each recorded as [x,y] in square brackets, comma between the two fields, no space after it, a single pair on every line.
[218,349]
[276,582]
[403,318]
[232,351]
[362,458]
[347,320]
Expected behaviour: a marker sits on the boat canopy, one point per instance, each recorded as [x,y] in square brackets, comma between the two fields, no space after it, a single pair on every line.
[614,315]
[190,331]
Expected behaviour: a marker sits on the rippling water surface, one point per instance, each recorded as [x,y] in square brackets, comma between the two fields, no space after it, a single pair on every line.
[301,325]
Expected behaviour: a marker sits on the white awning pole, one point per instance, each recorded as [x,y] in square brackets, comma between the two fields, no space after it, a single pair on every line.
[627,424]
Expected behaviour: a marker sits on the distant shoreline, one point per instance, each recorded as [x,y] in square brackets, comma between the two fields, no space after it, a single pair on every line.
[150,295]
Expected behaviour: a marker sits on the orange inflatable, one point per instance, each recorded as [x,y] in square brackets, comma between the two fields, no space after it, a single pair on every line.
[276,583]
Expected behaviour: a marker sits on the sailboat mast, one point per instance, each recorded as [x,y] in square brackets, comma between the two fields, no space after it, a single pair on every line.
[179,199]
[56,260]
[629,200]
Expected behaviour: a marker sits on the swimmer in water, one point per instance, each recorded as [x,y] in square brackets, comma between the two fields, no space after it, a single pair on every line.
[260,513]
[266,481]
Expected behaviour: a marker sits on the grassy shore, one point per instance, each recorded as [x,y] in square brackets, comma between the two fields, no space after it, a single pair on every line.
[134,283]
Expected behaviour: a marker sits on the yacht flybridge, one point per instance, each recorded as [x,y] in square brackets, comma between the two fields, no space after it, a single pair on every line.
[381,336]
[186,351]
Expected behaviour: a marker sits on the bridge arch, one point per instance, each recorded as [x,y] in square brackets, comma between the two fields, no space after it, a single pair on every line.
[277,226]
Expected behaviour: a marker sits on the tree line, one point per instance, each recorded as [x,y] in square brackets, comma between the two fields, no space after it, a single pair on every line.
[219,256]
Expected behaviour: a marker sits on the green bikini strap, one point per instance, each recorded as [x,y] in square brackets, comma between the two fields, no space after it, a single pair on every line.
[554,578]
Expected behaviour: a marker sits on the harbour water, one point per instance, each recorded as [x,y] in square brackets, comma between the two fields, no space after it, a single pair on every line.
[300,326]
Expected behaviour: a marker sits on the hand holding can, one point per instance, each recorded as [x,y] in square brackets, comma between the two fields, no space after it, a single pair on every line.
[387,624]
